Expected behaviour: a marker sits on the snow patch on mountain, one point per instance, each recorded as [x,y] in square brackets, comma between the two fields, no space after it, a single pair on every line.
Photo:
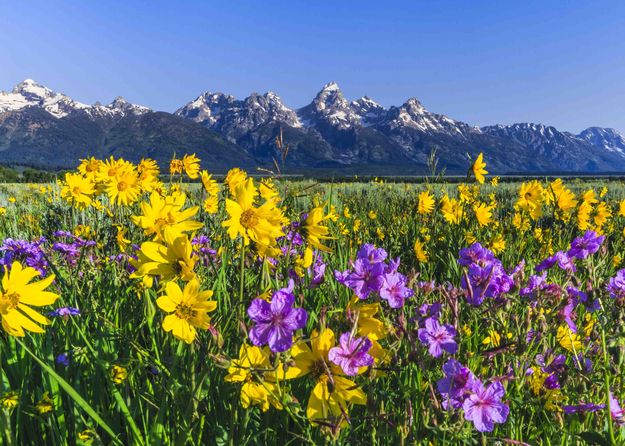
[29,93]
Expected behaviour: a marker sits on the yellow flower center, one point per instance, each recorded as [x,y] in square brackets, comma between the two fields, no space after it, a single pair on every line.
[185,312]
[8,302]
[76,191]
[122,186]
[249,219]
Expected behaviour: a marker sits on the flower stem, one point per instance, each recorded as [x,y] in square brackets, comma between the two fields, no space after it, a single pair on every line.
[606,376]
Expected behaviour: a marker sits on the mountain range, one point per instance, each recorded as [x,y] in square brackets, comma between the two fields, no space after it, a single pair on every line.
[46,129]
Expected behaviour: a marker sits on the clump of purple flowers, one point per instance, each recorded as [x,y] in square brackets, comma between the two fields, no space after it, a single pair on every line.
[71,249]
[202,248]
[30,253]
[588,244]
[317,270]
[616,285]
[438,337]
[276,320]
[371,274]
[65,312]
[481,405]
[560,258]
[351,354]
[485,277]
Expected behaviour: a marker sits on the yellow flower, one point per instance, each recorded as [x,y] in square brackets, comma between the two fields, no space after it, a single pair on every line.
[371,327]
[498,244]
[552,397]
[188,309]
[9,400]
[86,435]
[261,225]
[531,198]
[210,185]
[602,215]
[166,213]
[493,338]
[89,167]
[45,404]
[567,339]
[17,294]
[483,213]
[420,253]
[267,189]
[123,188]
[426,203]
[604,191]
[621,208]
[452,210]
[478,168]
[329,399]
[347,214]
[176,167]
[148,175]
[372,215]
[172,260]
[563,198]
[191,165]
[77,190]
[118,374]
[252,368]
[583,215]
[211,204]
[314,231]
[234,178]
[494,181]
[120,238]
[110,168]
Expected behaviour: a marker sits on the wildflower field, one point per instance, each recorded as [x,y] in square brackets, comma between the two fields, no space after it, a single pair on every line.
[141,307]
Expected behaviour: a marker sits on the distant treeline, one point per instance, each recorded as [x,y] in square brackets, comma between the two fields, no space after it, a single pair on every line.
[27,175]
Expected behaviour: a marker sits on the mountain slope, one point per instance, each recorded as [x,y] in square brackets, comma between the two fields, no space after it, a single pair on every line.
[44,128]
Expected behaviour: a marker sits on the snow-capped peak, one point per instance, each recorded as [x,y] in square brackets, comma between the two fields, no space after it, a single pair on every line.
[370,111]
[29,93]
[331,86]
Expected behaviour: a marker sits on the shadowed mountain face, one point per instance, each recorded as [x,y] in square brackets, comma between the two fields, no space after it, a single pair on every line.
[43,128]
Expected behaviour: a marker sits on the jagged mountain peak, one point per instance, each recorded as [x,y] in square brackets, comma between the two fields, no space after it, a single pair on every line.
[30,93]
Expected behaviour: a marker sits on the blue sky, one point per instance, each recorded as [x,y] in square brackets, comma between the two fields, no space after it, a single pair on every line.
[561,63]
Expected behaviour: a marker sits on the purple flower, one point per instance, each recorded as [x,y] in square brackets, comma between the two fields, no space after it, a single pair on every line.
[476,254]
[583,408]
[394,289]
[484,408]
[534,284]
[616,285]
[63,359]
[351,354]
[438,337]
[319,271]
[588,244]
[31,253]
[366,277]
[276,321]
[561,258]
[65,312]
[486,275]
[430,310]
[459,382]
[371,254]
[616,412]
[568,315]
